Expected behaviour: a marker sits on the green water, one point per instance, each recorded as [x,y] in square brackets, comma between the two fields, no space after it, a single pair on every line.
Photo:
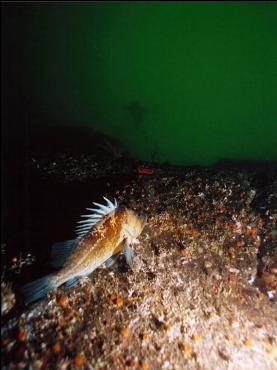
[189,83]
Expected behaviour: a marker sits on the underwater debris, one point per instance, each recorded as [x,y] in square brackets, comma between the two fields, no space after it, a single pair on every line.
[21,261]
[145,171]
[69,169]
[7,298]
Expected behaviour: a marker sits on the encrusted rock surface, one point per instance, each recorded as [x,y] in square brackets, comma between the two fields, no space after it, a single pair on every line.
[201,293]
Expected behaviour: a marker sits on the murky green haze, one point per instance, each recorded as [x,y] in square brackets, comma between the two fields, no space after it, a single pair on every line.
[189,83]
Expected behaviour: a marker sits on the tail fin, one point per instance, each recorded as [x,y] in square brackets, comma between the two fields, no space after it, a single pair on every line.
[38,288]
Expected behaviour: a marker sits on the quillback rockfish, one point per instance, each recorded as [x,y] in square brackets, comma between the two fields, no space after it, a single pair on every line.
[101,237]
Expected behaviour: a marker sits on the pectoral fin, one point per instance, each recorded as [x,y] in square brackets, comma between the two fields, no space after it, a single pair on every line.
[112,260]
[129,254]
[71,282]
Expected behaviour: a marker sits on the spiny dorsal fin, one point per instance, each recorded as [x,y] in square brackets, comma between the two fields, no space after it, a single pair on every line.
[96,216]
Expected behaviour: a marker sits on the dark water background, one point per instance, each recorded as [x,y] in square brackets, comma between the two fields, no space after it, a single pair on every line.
[185,82]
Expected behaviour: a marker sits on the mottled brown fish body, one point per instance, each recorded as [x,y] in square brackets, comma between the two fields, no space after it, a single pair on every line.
[106,232]
[100,243]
